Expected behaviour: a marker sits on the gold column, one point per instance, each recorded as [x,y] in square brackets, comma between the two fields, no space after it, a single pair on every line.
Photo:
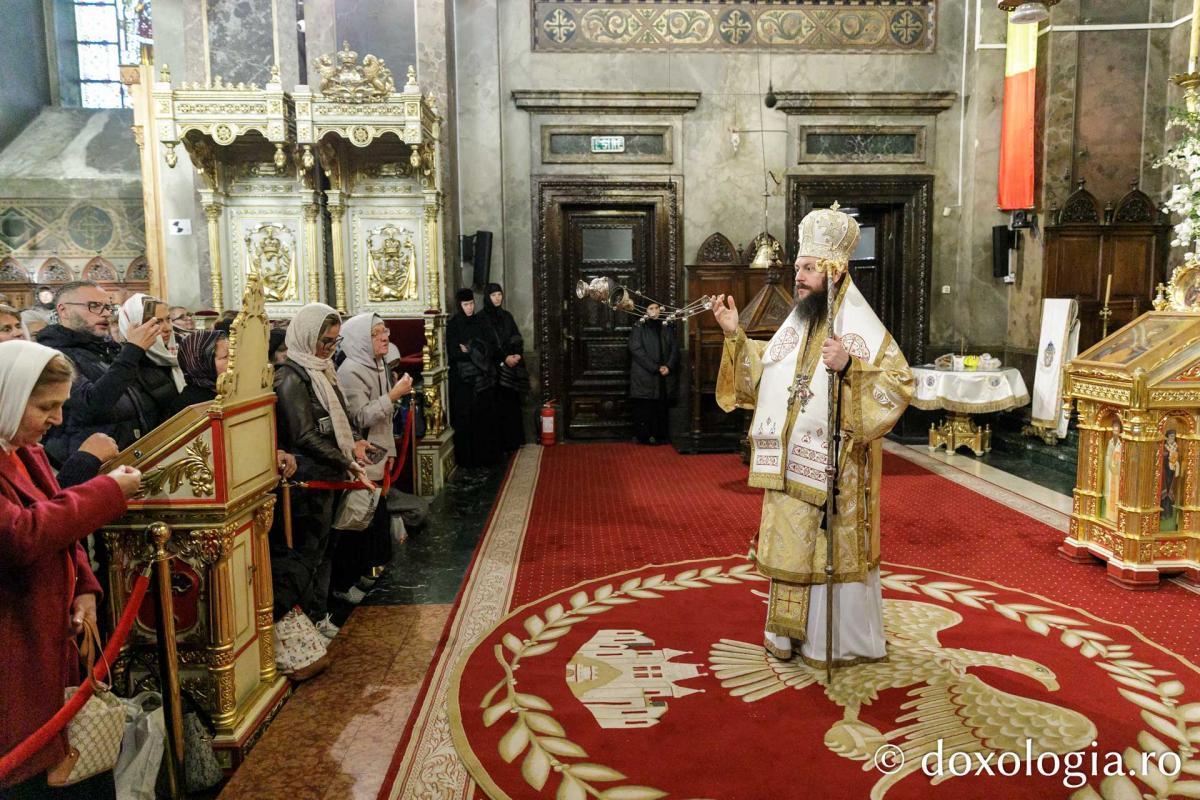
[1189,517]
[1088,474]
[219,580]
[432,248]
[336,212]
[1137,507]
[212,212]
[140,80]
[1190,80]
[312,213]
[264,597]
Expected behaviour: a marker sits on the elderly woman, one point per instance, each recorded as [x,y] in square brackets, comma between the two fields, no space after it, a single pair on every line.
[10,324]
[46,584]
[371,399]
[313,425]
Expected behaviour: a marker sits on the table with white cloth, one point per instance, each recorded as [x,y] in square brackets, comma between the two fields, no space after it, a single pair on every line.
[963,393]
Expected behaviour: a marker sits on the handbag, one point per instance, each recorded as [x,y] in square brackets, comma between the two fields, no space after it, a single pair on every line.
[201,770]
[94,734]
[300,650]
[356,509]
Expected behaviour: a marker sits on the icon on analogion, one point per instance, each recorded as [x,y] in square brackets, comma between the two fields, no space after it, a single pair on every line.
[393,271]
[269,254]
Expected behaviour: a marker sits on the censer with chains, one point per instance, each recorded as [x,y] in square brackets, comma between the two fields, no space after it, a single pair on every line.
[608,292]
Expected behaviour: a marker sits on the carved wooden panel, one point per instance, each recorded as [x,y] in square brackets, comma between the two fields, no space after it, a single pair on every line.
[1129,242]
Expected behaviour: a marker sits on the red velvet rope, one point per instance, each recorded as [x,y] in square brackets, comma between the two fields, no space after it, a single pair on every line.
[389,477]
[51,728]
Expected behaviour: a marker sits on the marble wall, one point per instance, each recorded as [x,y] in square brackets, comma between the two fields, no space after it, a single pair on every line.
[1104,100]
[722,183]
[24,55]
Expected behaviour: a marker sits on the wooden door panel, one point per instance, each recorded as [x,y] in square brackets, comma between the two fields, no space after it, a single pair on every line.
[612,243]
[1076,272]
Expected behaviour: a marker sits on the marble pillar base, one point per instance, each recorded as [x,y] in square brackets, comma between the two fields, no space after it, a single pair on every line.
[435,463]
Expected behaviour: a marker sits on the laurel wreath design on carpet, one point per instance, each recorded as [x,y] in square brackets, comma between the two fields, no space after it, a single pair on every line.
[1160,710]
[533,731]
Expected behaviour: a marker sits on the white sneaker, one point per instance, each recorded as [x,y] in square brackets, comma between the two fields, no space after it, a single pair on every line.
[353,595]
[326,628]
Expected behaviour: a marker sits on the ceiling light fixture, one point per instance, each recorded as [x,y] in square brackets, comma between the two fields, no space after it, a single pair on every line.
[1025,12]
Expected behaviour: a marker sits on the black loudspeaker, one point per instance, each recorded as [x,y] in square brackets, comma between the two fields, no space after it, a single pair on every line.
[1003,240]
[483,258]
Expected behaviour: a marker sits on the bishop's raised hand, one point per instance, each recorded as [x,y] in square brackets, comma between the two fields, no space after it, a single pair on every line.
[725,310]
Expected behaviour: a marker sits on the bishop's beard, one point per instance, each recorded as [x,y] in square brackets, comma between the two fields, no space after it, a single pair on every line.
[811,308]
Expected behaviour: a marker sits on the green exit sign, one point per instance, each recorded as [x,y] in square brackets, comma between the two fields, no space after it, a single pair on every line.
[608,144]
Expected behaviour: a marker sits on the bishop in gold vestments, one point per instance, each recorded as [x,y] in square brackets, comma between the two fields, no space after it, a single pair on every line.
[785,382]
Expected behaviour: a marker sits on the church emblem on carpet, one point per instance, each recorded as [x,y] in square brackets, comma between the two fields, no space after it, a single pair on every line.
[987,691]
[625,681]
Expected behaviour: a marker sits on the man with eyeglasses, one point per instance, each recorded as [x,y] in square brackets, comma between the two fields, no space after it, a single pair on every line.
[103,397]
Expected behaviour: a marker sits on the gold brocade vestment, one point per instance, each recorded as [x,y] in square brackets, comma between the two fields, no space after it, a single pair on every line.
[791,543]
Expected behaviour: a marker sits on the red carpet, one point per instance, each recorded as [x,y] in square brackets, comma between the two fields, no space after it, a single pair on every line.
[603,509]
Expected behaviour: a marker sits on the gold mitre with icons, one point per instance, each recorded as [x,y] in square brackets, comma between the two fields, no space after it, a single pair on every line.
[829,235]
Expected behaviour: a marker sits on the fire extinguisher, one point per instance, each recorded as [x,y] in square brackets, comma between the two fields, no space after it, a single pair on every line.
[547,415]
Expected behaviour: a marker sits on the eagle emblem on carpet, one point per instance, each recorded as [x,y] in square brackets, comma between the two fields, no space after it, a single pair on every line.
[591,692]
[948,704]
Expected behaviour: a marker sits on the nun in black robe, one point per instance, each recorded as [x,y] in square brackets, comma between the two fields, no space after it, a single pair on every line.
[512,379]
[470,345]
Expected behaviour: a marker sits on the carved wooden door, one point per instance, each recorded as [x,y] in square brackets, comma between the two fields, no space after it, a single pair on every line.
[618,243]
[876,266]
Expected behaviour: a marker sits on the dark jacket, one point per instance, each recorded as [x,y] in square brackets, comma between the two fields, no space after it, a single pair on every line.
[102,399]
[652,345]
[477,368]
[508,342]
[191,395]
[304,427]
[39,553]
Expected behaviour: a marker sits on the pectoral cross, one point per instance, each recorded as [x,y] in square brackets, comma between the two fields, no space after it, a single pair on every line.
[799,390]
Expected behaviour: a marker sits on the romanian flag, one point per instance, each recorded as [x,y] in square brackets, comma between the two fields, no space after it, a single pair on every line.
[1016,136]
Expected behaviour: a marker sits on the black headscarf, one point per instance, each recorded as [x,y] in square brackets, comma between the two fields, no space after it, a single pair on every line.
[464,296]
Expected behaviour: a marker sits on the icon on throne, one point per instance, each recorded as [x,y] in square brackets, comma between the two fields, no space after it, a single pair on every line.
[393,273]
[270,257]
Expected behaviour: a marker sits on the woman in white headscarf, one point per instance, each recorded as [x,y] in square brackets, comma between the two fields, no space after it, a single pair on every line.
[159,378]
[313,426]
[371,398]
[46,584]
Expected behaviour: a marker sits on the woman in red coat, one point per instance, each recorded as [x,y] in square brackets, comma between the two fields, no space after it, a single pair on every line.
[46,584]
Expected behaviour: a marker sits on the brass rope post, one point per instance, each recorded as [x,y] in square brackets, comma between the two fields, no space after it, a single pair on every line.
[168,658]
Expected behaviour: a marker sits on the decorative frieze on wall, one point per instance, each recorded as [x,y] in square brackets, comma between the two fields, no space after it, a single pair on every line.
[72,233]
[814,26]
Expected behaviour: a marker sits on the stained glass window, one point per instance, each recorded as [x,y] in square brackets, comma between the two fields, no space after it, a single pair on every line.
[107,34]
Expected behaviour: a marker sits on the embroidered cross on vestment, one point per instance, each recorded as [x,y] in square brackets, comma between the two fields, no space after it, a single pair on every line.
[799,390]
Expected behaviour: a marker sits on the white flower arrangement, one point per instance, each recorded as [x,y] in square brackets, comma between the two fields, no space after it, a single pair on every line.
[1184,201]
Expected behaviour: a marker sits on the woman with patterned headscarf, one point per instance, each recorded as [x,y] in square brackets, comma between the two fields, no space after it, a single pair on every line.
[203,356]
[313,425]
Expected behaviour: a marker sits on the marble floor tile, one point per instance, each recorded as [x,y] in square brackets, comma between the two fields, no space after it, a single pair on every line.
[336,735]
